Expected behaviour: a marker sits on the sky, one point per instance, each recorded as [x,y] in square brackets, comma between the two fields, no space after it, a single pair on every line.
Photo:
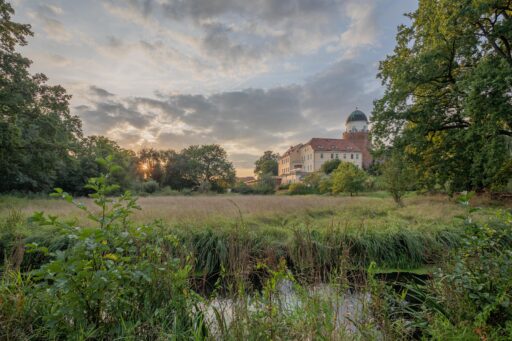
[249,75]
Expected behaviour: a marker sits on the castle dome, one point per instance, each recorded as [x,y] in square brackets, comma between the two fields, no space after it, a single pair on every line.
[357,116]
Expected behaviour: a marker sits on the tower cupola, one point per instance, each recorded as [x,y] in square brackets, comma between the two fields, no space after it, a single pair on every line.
[357,122]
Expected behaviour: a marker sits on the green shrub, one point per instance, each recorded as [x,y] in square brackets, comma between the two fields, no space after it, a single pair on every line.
[299,188]
[150,186]
[330,166]
[116,280]
[476,288]
[325,185]
[284,186]
[348,178]
[398,177]
[168,191]
[470,297]
[242,188]
[265,185]
[186,191]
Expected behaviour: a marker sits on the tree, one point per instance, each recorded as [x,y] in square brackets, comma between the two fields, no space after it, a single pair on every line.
[329,166]
[178,171]
[38,135]
[149,165]
[447,101]
[84,165]
[398,176]
[348,178]
[209,166]
[267,164]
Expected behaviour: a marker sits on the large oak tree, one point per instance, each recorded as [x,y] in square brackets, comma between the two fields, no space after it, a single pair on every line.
[448,99]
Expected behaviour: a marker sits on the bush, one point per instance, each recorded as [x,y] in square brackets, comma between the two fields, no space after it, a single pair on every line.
[330,166]
[348,178]
[186,191]
[168,191]
[284,186]
[398,177]
[476,287]
[242,188]
[312,180]
[117,280]
[299,188]
[470,297]
[325,185]
[150,186]
[264,186]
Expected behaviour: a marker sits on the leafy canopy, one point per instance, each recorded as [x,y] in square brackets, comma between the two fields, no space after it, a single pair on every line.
[330,166]
[448,98]
[267,164]
[348,178]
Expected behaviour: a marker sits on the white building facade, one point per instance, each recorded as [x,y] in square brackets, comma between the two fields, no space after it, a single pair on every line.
[302,159]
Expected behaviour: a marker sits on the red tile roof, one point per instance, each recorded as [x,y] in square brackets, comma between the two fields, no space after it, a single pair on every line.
[322,144]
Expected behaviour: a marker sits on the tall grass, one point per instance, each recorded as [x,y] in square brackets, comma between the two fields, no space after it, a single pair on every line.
[257,274]
[311,233]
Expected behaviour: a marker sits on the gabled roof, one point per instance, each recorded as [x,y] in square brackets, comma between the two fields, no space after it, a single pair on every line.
[324,144]
[292,149]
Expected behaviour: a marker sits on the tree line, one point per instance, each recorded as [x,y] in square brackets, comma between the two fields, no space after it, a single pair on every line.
[42,145]
[446,114]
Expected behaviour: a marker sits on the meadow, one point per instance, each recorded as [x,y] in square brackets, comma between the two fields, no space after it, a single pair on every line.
[303,229]
[226,266]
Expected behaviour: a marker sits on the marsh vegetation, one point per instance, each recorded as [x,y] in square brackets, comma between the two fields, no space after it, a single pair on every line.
[317,267]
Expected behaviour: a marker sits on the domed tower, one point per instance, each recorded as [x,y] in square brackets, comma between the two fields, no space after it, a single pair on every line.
[357,132]
[357,122]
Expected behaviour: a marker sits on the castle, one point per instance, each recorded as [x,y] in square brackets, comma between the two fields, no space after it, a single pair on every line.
[354,147]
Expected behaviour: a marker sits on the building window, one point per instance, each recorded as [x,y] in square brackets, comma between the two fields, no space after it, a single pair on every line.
[322,155]
[352,156]
[337,156]
[344,156]
[357,156]
[332,156]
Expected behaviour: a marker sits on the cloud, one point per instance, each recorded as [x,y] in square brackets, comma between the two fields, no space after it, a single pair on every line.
[245,122]
[102,117]
[239,35]
[362,30]
[100,92]
[46,15]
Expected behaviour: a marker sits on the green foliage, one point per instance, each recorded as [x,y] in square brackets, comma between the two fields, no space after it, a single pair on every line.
[150,186]
[447,101]
[242,188]
[398,177]
[117,279]
[469,297]
[313,180]
[284,186]
[267,164]
[209,165]
[348,178]
[325,185]
[330,166]
[84,165]
[38,134]
[178,170]
[299,188]
[475,290]
[265,185]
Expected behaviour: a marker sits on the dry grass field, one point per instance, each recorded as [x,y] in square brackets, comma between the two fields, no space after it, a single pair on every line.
[176,209]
